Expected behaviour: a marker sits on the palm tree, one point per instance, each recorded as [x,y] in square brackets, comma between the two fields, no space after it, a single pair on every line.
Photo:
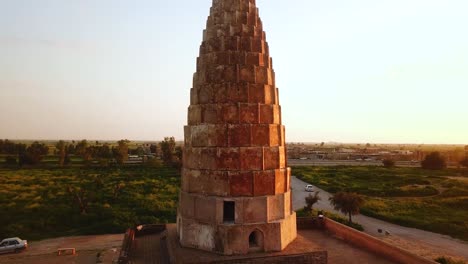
[347,202]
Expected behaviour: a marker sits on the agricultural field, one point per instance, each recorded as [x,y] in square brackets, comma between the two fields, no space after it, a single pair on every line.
[45,202]
[436,201]
[40,203]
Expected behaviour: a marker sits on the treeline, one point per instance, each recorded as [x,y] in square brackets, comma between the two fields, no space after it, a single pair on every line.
[90,153]
[19,153]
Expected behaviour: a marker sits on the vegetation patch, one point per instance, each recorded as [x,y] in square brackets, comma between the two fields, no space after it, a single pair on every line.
[338,218]
[426,199]
[42,203]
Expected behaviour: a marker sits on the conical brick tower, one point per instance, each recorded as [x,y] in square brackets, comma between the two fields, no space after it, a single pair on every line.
[235,196]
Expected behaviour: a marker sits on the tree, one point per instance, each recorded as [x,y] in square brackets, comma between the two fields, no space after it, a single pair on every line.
[33,154]
[433,161]
[311,200]
[20,148]
[117,190]
[84,150]
[61,147]
[121,151]
[81,147]
[81,197]
[347,202]
[388,163]
[154,148]
[168,150]
[140,151]
[71,149]
[104,152]
[11,148]
[464,162]
[7,147]
[178,153]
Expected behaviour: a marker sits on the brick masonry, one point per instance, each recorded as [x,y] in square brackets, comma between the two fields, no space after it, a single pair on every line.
[235,141]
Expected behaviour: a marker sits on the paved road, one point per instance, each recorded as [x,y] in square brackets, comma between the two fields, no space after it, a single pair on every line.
[371,225]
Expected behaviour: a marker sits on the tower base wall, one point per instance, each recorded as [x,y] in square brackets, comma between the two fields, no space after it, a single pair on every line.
[235,239]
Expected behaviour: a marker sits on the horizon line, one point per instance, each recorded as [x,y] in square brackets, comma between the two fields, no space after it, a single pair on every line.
[287,142]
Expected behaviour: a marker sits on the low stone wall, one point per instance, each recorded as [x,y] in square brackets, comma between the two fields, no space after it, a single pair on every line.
[127,243]
[149,229]
[309,223]
[373,244]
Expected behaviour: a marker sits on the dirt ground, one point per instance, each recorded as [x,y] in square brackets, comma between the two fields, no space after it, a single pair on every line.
[87,250]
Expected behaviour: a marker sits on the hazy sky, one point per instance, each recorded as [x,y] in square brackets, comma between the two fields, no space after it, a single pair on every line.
[351,71]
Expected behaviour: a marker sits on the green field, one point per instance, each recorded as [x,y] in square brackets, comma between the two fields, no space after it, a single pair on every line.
[436,201]
[37,203]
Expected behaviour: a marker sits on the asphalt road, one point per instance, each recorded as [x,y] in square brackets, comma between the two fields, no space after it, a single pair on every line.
[371,225]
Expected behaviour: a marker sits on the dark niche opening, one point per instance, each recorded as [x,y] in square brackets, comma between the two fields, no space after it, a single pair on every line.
[253,240]
[229,211]
[256,241]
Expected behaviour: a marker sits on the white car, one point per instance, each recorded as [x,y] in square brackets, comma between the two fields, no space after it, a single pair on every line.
[309,188]
[13,244]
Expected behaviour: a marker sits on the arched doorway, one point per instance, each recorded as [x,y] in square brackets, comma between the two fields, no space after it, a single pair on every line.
[256,241]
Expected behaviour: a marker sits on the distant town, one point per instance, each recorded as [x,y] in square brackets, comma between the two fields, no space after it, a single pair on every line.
[370,154]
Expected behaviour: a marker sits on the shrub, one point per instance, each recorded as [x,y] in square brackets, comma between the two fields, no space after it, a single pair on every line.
[343,221]
[10,160]
[335,217]
[311,200]
[433,161]
[305,213]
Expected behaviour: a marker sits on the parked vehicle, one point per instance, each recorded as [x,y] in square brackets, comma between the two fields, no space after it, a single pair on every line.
[13,244]
[309,188]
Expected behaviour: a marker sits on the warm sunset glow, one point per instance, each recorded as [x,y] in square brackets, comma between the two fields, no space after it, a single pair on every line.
[348,71]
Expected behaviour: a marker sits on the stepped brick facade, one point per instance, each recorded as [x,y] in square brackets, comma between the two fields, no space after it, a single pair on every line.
[235,196]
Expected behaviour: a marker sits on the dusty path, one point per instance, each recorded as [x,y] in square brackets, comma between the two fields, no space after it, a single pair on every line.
[409,238]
